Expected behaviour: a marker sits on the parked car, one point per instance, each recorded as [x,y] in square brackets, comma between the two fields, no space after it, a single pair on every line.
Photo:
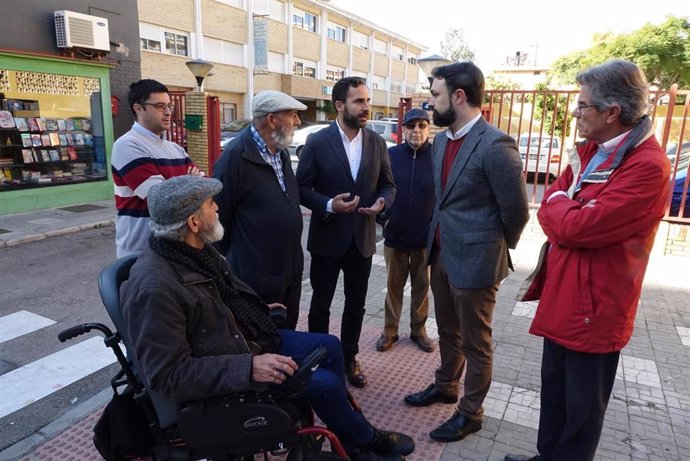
[231,130]
[388,130]
[681,174]
[546,149]
[301,137]
[389,119]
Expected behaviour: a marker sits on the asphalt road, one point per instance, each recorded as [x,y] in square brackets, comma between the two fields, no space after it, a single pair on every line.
[54,278]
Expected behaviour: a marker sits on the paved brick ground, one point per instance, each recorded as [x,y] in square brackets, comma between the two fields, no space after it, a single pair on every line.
[648,417]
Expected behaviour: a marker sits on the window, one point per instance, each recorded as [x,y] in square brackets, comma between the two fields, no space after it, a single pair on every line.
[227,112]
[379,83]
[362,75]
[304,68]
[336,32]
[224,52]
[304,20]
[276,62]
[396,85]
[412,60]
[334,74]
[151,38]
[148,44]
[396,53]
[410,88]
[310,22]
[359,39]
[176,44]
[380,46]
[276,10]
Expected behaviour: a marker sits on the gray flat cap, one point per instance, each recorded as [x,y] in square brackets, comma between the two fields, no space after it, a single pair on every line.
[176,199]
[271,101]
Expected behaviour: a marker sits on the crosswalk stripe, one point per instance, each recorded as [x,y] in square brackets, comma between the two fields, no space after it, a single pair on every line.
[32,382]
[21,323]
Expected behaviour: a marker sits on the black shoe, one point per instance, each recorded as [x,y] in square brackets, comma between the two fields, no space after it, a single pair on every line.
[456,428]
[521,458]
[428,396]
[371,456]
[354,373]
[386,342]
[385,442]
[423,342]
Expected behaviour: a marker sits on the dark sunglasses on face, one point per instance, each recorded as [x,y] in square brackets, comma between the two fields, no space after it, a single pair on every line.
[421,125]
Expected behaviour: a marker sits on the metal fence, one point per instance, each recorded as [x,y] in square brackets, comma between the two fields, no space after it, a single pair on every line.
[543,126]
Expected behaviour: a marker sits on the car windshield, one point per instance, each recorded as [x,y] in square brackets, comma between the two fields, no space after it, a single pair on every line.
[236,125]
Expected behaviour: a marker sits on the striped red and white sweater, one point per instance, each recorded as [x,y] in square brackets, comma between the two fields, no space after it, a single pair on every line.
[140,159]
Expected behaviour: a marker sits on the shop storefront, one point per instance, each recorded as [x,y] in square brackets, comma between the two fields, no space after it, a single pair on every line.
[55,132]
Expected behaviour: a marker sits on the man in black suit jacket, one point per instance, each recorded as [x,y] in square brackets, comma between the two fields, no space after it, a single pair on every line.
[481,209]
[345,178]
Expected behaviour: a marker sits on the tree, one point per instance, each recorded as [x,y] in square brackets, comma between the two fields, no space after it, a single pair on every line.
[454,46]
[662,51]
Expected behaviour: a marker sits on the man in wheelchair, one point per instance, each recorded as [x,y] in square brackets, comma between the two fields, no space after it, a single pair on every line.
[199,332]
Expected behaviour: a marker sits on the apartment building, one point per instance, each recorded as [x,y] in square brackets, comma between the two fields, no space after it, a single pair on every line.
[300,47]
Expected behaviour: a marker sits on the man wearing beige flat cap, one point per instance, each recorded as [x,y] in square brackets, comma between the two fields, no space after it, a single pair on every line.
[259,204]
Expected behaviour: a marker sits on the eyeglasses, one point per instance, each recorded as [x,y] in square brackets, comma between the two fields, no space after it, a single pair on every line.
[160,106]
[581,107]
[420,125]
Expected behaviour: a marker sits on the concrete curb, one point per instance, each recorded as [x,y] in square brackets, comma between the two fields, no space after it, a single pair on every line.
[69,419]
[54,233]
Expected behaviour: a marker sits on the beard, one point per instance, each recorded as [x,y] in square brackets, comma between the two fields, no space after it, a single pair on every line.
[211,233]
[282,137]
[446,118]
[352,121]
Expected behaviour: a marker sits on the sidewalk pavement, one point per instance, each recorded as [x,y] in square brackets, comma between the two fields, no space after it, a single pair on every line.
[648,417]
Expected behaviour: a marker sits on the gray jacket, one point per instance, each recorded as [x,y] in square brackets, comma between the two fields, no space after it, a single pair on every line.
[483,209]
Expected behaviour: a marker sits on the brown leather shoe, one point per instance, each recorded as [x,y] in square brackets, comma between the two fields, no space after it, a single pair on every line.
[354,373]
[423,342]
[386,342]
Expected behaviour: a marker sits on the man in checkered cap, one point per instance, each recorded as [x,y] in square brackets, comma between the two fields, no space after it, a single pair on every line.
[259,203]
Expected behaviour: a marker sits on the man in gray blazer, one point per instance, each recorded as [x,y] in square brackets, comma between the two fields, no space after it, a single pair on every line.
[481,209]
[345,179]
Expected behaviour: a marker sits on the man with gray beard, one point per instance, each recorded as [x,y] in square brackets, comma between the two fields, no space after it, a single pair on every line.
[259,205]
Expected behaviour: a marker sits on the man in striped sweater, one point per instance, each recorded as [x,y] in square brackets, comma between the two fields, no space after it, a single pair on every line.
[141,158]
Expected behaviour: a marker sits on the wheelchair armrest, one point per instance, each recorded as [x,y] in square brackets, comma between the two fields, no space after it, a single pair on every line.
[278,315]
[297,383]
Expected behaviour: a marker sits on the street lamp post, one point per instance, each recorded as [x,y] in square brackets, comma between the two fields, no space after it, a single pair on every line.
[200,69]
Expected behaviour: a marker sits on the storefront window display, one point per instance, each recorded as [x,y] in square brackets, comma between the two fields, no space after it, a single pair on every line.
[51,130]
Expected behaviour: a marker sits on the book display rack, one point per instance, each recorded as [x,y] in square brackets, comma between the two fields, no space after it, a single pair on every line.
[37,151]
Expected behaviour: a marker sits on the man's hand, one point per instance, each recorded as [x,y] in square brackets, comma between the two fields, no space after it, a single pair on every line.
[194,171]
[276,306]
[340,205]
[272,368]
[375,209]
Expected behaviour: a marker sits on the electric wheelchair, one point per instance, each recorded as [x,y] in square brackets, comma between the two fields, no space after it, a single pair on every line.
[233,427]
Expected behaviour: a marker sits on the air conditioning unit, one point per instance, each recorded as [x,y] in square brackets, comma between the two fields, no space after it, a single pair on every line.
[76,30]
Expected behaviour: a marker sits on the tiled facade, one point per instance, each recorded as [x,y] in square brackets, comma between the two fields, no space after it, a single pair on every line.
[330,43]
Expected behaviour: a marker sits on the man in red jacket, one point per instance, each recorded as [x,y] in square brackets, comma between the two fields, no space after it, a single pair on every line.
[600,218]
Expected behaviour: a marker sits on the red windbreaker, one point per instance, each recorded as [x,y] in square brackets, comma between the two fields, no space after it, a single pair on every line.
[599,251]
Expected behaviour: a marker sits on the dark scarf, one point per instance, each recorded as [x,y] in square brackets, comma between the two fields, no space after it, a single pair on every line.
[252,315]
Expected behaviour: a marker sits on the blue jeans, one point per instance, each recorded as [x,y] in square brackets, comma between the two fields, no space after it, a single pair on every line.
[327,391]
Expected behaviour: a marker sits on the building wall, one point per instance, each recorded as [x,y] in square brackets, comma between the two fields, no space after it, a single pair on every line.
[224,21]
[228,23]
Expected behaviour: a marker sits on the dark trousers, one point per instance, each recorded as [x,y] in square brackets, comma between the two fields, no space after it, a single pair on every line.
[575,391]
[324,274]
[327,391]
[291,298]
[463,317]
